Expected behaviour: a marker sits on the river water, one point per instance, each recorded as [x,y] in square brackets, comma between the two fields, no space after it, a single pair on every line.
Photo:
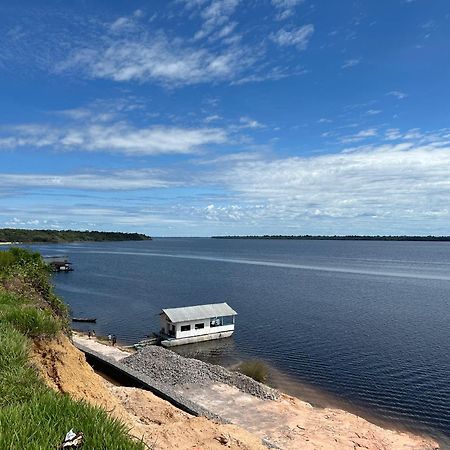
[366,322]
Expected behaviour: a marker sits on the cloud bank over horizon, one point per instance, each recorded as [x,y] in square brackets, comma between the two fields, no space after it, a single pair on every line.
[205,117]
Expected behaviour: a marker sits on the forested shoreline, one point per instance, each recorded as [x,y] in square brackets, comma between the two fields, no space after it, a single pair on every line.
[58,236]
[308,237]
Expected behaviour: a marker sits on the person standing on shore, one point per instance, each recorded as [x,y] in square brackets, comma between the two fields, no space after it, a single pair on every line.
[89,334]
[114,340]
[109,338]
[93,334]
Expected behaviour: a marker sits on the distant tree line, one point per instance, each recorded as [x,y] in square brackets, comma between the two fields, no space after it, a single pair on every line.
[308,237]
[21,235]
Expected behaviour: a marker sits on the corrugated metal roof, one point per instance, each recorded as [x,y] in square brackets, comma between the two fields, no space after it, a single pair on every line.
[199,312]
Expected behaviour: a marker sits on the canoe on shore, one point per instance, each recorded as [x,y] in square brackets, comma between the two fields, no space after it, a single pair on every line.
[84,319]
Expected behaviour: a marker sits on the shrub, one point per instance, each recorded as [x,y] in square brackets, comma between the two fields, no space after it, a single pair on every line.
[6,259]
[26,273]
[254,369]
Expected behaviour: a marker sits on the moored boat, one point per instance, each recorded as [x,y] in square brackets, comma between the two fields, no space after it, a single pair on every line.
[84,319]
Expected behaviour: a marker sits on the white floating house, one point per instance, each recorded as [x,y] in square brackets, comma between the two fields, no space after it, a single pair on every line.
[196,323]
[58,263]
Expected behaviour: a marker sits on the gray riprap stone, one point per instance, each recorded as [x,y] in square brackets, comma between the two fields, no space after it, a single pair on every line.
[169,368]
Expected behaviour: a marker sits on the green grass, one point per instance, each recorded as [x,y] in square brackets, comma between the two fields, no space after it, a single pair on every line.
[18,381]
[42,423]
[7,299]
[31,321]
[26,317]
[32,416]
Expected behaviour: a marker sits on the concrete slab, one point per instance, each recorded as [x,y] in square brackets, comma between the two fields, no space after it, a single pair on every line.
[114,353]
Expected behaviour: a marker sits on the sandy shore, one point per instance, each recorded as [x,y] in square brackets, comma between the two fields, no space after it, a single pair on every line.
[285,422]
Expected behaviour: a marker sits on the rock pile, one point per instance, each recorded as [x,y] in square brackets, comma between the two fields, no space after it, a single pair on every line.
[169,368]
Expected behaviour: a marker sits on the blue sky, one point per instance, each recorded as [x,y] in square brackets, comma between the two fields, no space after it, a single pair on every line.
[203,117]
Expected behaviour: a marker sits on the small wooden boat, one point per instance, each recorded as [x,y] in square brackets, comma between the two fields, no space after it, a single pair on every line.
[84,319]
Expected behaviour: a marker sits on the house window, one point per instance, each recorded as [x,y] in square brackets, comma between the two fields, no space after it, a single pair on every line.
[216,322]
[227,320]
[185,327]
[199,326]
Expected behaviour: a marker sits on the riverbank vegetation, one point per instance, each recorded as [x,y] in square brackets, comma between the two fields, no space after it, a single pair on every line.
[33,416]
[61,236]
[308,237]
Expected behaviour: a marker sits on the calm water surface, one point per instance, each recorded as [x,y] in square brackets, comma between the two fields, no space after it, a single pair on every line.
[365,321]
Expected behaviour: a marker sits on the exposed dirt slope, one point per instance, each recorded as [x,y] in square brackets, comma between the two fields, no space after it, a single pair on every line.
[162,426]
[64,368]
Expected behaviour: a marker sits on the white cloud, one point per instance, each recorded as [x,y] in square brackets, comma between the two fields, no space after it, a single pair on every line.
[386,182]
[373,112]
[396,187]
[216,15]
[158,59]
[285,8]
[136,48]
[230,158]
[351,63]
[191,4]
[398,94]
[98,181]
[226,31]
[16,222]
[129,52]
[127,23]
[414,133]
[247,122]
[298,37]
[275,73]
[361,135]
[122,24]
[393,134]
[212,118]
[117,137]
[223,213]
[90,216]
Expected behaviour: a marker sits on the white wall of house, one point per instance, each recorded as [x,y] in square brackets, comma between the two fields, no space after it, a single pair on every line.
[193,327]
[193,331]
